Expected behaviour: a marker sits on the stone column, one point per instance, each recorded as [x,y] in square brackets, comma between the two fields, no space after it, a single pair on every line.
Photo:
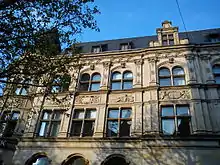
[207,68]
[100,120]
[136,126]
[74,72]
[138,73]
[106,74]
[191,69]
[65,123]
[153,71]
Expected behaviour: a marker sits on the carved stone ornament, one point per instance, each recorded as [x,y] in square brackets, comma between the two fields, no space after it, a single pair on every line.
[92,66]
[61,101]
[87,99]
[174,94]
[106,64]
[152,59]
[123,99]
[138,61]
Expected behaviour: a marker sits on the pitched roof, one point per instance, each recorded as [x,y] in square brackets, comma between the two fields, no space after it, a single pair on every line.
[195,37]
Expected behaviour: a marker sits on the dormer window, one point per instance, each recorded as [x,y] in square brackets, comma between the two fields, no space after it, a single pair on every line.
[214,37]
[125,46]
[167,39]
[99,48]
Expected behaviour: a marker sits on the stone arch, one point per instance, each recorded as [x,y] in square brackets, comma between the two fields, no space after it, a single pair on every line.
[120,68]
[215,61]
[74,156]
[36,156]
[119,158]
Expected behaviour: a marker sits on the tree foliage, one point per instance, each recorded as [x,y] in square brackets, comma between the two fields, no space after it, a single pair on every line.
[29,32]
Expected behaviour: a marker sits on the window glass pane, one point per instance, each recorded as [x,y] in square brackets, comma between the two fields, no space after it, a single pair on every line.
[165,82]
[125,113]
[43,128]
[91,114]
[127,85]
[116,76]
[165,43]
[113,113]
[184,126]
[216,69]
[77,161]
[171,42]
[182,110]
[57,115]
[170,36]
[42,161]
[95,86]
[85,77]
[76,128]
[24,91]
[164,72]
[125,128]
[112,128]
[6,115]
[15,115]
[217,79]
[178,71]
[56,89]
[96,77]
[55,126]
[116,86]
[168,126]
[167,111]
[46,115]
[179,81]
[127,75]
[84,86]
[88,128]
[18,91]
[79,114]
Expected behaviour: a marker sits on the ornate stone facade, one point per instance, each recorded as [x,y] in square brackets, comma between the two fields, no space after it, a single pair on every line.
[146,143]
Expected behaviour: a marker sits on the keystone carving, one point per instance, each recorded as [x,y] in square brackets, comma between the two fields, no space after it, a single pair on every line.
[174,94]
[87,99]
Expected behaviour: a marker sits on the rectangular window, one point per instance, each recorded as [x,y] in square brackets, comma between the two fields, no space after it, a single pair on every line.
[118,122]
[49,124]
[167,39]
[175,120]
[8,123]
[83,122]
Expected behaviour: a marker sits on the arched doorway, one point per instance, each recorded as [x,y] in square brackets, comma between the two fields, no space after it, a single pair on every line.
[39,158]
[115,159]
[75,159]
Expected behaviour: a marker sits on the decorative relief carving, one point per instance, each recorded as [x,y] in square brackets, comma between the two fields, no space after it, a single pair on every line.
[122,99]
[174,94]
[205,57]
[87,99]
[153,59]
[138,61]
[61,101]
[106,64]
[92,66]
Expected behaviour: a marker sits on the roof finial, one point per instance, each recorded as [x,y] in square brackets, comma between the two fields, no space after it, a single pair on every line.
[167,24]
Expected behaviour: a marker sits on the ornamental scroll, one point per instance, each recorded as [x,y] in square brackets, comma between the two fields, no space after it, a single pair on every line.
[174,94]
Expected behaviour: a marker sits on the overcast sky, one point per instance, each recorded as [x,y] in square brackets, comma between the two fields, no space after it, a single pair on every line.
[131,18]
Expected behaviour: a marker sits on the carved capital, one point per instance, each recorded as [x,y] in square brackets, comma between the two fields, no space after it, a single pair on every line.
[92,66]
[189,57]
[107,64]
[138,61]
[205,57]
[153,59]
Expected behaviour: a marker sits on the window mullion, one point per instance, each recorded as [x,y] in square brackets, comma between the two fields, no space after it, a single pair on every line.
[175,120]
[83,121]
[119,114]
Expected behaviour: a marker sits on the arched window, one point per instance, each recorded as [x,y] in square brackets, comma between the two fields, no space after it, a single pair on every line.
[60,83]
[115,159]
[119,82]
[216,73]
[95,82]
[88,83]
[75,160]
[38,159]
[127,80]
[178,76]
[22,88]
[164,77]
